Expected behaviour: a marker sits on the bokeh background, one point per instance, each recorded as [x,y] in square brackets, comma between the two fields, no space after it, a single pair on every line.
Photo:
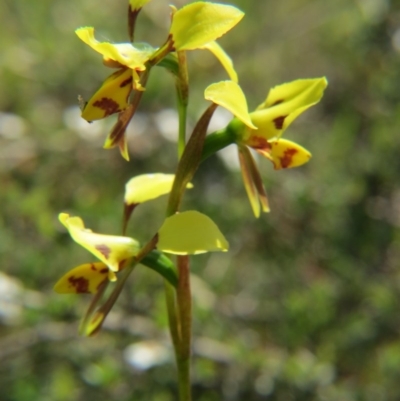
[305,306]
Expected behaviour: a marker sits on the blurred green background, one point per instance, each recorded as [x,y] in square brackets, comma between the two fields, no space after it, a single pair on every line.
[305,306]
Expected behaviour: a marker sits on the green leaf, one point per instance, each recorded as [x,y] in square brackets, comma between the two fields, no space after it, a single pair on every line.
[162,264]
[190,232]
[199,23]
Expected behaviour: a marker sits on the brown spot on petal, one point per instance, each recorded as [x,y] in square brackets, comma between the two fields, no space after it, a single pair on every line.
[108,105]
[278,121]
[104,270]
[258,142]
[80,284]
[104,250]
[127,81]
[278,102]
[93,267]
[287,158]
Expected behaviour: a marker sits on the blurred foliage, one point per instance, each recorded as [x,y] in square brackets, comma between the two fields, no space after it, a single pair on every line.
[305,304]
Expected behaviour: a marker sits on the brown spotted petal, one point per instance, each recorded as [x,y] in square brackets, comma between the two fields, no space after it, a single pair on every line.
[111,98]
[283,104]
[84,279]
[110,249]
[285,154]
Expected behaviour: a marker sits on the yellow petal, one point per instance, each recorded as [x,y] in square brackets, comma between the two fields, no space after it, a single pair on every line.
[223,58]
[304,91]
[229,95]
[124,53]
[137,4]
[112,97]
[143,188]
[110,249]
[84,279]
[285,103]
[190,232]
[286,154]
[201,22]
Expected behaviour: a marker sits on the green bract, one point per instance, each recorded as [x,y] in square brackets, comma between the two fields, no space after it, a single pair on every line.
[190,232]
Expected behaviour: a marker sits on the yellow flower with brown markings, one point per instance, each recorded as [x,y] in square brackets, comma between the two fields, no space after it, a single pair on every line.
[113,95]
[262,129]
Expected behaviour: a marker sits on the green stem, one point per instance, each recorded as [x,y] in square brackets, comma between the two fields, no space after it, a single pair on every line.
[218,140]
[182,112]
[173,317]
[185,317]
[182,87]
[190,156]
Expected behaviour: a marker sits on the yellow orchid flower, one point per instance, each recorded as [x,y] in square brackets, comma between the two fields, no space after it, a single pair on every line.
[112,96]
[111,250]
[262,129]
[283,104]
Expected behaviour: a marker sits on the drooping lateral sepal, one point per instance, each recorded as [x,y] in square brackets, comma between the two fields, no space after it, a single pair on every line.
[117,135]
[252,182]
